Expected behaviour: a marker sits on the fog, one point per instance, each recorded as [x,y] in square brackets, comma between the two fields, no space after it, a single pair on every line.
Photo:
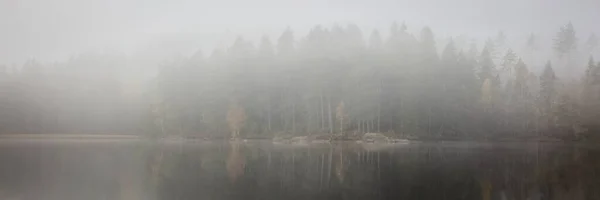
[481,70]
[57,30]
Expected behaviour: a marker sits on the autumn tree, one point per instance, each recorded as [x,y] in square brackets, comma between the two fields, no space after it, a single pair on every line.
[236,117]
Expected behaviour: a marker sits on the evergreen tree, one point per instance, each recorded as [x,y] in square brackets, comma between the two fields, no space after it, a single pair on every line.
[547,88]
[375,41]
[285,43]
[521,79]
[565,41]
[265,48]
[590,69]
[472,53]
[486,65]
[509,60]
[491,48]
[398,84]
[449,54]
[427,44]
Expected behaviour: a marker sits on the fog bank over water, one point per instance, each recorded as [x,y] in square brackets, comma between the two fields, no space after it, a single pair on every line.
[57,30]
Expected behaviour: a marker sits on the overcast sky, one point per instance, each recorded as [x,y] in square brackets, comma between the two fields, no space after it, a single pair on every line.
[56,29]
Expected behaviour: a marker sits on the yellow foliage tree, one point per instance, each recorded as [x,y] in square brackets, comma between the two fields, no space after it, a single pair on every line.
[486,92]
[236,162]
[236,117]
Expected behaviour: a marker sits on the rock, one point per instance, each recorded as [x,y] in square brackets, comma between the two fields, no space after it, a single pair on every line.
[399,141]
[282,139]
[299,140]
[375,138]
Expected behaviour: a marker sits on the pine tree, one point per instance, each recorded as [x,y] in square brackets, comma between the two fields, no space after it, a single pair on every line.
[428,42]
[509,60]
[285,43]
[236,117]
[449,54]
[590,79]
[547,88]
[565,41]
[486,92]
[491,48]
[375,41]
[589,70]
[486,65]
[265,49]
[521,78]
[472,52]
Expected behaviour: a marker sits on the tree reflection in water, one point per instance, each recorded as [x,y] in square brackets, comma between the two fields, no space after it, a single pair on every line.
[260,170]
[449,171]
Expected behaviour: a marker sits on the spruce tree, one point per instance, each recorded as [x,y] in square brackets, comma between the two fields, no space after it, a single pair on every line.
[565,41]
[486,65]
[547,87]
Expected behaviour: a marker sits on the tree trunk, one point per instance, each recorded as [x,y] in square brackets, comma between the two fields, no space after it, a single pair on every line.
[379,107]
[373,125]
[359,128]
[283,113]
[269,114]
[322,112]
[330,119]
[162,127]
[402,118]
[379,118]
[429,121]
[342,125]
[294,118]
[391,126]
[308,118]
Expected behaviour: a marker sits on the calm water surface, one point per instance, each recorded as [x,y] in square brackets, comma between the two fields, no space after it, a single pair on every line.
[260,170]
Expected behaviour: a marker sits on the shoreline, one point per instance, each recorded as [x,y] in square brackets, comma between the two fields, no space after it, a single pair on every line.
[116,137]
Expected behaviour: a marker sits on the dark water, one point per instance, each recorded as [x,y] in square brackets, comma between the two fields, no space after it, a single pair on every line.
[260,170]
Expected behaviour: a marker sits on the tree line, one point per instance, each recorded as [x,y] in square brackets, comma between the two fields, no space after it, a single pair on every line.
[334,80]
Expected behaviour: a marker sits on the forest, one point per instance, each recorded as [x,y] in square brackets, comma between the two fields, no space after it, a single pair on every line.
[334,80]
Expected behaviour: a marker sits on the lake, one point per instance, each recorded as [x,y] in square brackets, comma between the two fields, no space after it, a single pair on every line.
[130,169]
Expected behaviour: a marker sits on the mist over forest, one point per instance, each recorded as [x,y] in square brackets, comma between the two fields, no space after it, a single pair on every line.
[337,79]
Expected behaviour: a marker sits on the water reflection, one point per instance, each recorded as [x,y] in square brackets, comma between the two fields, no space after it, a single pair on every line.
[260,170]
[235,162]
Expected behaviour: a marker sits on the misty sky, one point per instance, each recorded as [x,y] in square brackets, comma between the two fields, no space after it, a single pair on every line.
[51,30]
